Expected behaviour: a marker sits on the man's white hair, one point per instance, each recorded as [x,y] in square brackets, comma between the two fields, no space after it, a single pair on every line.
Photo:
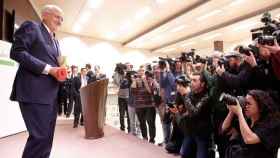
[49,8]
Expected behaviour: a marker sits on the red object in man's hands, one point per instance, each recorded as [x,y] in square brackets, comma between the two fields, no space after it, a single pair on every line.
[61,74]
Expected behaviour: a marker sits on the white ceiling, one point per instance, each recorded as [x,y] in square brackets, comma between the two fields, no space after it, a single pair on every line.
[159,25]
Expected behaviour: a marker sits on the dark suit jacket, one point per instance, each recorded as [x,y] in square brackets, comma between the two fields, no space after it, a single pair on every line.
[33,48]
[77,83]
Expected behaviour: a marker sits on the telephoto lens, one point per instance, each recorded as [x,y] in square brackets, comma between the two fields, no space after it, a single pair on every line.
[231,100]
[244,50]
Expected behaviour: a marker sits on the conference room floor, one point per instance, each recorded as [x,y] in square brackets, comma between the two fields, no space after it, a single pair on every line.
[70,143]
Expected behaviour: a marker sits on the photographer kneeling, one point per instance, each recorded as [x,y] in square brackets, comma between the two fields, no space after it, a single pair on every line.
[194,116]
[261,137]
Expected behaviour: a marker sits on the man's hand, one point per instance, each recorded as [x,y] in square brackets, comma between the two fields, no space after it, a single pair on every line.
[54,72]
[174,110]
[236,109]
[220,70]
[251,60]
[273,49]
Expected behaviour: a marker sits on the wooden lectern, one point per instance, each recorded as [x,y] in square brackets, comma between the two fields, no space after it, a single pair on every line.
[93,98]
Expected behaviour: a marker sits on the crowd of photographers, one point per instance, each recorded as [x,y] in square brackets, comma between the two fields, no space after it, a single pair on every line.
[226,102]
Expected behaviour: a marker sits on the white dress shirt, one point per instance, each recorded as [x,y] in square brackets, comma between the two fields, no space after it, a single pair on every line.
[47,67]
[84,81]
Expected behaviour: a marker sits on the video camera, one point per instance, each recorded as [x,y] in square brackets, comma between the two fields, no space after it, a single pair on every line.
[187,56]
[170,61]
[269,32]
[199,59]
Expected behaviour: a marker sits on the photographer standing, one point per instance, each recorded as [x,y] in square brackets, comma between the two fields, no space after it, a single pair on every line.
[219,110]
[235,79]
[265,70]
[194,116]
[142,91]
[260,137]
[167,87]
[123,97]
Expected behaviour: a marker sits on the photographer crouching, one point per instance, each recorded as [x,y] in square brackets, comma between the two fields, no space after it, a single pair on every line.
[260,135]
[193,117]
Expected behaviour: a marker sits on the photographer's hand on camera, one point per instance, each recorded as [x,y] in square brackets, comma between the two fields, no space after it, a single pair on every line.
[174,110]
[236,109]
[178,109]
[220,70]
[251,60]
[273,49]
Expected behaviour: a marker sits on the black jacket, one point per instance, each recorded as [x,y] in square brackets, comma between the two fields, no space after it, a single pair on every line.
[236,82]
[76,85]
[197,118]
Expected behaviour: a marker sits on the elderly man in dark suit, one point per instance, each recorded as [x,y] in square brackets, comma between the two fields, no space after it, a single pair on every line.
[37,81]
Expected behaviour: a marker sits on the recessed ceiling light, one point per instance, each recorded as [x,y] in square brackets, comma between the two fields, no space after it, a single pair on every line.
[111,35]
[94,3]
[85,17]
[236,2]
[142,13]
[125,26]
[157,38]
[187,44]
[245,26]
[161,1]
[207,15]
[179,28]
[212,36]
[137,43]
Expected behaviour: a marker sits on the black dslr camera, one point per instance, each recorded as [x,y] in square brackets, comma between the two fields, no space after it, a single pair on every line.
[247,50]
[162,63]
[199,59]
[232,100]
[187,56]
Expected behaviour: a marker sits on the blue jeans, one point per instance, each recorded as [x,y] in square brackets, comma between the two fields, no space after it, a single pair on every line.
[166,131]
[200,142]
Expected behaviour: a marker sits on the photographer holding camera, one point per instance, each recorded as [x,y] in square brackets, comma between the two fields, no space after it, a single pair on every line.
[142,88]
[259,136]
[235,78]
[167,87]
[218,109]
[265,70]
[193,116]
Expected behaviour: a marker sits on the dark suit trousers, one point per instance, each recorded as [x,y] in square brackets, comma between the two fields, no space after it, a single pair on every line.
[78,113]
[40,120]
